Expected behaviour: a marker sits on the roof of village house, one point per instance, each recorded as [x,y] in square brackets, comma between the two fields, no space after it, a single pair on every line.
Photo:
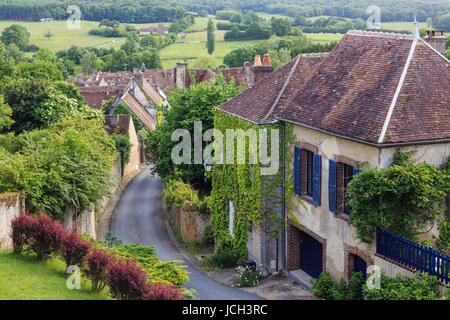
[139,111]
[374,87]
[118,124]
[95,96]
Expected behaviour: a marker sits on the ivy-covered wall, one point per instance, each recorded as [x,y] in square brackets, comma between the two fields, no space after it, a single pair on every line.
[256,198]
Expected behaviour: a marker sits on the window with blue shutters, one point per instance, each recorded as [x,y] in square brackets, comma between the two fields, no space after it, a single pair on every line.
[317,177]
[332,186]
[297,170]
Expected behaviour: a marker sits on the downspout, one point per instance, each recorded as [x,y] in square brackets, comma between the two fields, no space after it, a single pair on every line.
[283,205]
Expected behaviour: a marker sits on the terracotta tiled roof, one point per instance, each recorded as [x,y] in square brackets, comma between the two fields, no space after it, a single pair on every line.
[95,96]
[139,111]
[358,91]
[119,123]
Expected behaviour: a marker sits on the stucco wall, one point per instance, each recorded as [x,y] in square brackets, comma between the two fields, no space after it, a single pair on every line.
[11,205]
[134,162]
[325,223]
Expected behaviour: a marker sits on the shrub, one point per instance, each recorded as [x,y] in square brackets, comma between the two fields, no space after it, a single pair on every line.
[418,287]
[74,248]
[221,259]
[96,263]
[176,191]
[47,235]
[21,231]
[157,271]
[248,277]
[162,291]
[191,294]
[126,280]
[350,291]
[322,287]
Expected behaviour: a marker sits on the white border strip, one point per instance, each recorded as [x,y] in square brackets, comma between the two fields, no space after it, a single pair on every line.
[397,92]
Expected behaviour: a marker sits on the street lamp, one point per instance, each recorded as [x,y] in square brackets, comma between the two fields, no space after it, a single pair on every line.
[208,165]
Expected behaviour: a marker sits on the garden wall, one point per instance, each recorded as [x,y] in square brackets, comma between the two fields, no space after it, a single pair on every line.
[11,205]
[188,221]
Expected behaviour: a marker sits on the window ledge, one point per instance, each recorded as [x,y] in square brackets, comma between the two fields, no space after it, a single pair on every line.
[308,199]
[342,216]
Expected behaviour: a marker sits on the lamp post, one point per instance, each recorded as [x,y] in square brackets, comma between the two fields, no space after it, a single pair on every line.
[208,165]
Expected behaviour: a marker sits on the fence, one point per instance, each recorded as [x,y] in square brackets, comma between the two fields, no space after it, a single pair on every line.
[413,255]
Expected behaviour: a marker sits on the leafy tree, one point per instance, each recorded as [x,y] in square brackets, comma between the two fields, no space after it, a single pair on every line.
[68,164]
[118,61]
[6,64]
[5,115]
[37,104]
[281,27]
[187,106]
[123,146]
[14,52]
[16,34]
[131,45]
[236,18]
[45,54]
[210,42]
[202,13]
[237,57]
[48,34]
[175,27]
[89,63]
[39,69]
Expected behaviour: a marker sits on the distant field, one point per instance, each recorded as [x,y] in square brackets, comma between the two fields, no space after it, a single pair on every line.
[401,26]
[324,37]
[63,37]
[191,51]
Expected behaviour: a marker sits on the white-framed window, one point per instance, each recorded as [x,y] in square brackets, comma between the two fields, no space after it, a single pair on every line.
[230,218]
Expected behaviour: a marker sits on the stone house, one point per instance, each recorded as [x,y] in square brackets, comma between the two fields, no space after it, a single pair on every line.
[123,124]
[372,94]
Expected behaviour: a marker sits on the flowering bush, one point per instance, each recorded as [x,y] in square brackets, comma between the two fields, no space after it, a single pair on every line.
[97,261]
[248,277]
[47,236]
[126,280]
[162,291]
[21,231]
[73,248]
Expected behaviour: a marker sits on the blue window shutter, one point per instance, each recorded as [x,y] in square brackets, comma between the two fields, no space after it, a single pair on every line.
[356,171]
[297,170]
[332,186]
[317,175]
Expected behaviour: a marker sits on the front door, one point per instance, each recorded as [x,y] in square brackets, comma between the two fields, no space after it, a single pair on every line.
[360,266]
[311,252]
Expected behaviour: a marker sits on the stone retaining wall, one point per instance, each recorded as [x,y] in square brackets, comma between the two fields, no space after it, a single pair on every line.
[11,205]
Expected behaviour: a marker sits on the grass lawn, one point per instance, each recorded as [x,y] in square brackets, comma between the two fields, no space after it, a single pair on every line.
[191,51]
[22,277]
[64,37]
[401,26]
[324,37]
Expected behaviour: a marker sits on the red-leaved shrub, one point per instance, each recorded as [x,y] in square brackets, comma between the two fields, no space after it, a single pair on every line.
[126,280]
[73,248]
[21,231]
[162,291]
[97,261]
[47,236]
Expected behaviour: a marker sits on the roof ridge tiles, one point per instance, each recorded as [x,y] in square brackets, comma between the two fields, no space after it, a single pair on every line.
[391,35]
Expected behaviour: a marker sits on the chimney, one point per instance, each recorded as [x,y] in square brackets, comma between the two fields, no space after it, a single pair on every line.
[260,70]
[248,73]
[257,60]
[266,60]
[437,39]
[180,74]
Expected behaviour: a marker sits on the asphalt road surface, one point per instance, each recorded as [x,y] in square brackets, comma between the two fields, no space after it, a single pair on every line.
[139,218]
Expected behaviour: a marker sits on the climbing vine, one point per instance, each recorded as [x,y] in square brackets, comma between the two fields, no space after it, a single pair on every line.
[256,198]
[404,198]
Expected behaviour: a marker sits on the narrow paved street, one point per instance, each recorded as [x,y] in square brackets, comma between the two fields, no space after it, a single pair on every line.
[139,218]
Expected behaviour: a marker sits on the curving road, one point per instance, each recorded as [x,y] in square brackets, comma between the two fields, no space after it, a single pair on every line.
[139,218]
